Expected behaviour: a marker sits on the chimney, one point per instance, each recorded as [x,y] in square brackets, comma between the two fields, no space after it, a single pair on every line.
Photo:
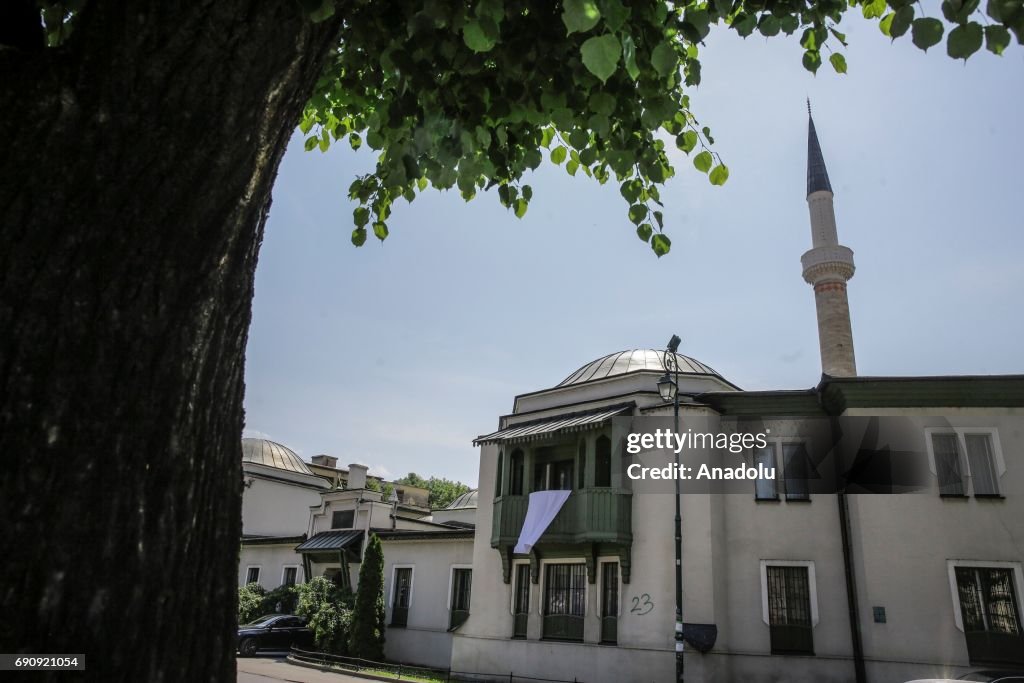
[357,476]
[325,461]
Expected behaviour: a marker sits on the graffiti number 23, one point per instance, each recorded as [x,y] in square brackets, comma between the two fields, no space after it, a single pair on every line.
[642,605]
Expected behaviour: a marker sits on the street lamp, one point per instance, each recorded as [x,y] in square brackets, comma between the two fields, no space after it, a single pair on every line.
[668,387]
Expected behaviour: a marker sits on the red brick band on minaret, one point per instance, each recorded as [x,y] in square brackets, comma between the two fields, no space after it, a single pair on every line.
[830,287]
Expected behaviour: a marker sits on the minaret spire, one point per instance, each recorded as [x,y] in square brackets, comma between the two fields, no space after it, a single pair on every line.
[827,266]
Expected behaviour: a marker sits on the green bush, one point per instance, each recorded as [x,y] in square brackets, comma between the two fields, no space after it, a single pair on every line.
[250,602]
[366,637]
[281,600]
[328,611]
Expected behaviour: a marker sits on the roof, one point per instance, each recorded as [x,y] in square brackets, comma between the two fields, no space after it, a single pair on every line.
[251,539]
[331,540]
[466,500]
[538,429]
[416,535]
[272,454]
[817,174]
[635,360]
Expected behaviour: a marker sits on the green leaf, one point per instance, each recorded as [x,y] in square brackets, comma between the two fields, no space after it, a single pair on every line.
[602,103]
[719,174]
[901,22]
[355,141]
[789,24]
[572,167]
[361,216]
[601,55]
[306,124]
[841,37]
[768,26]
[629,57]
[885,25]
[660,218]
[661,244]
[687,141]
[614,13]
[631,189]
[579,16]
[838,62]
[558,154]
[323,12]
[527,192]
[744,24]
[311,142]
[637,213]
[702,162]
[874,9]
[964,40]
[380,230]
[664,59]
[521,206]
[644,232]
[476,38]
[926,32]
[359,236]
[812,60]
[996,39]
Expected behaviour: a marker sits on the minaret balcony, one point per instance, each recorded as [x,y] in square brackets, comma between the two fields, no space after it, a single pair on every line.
[832,262]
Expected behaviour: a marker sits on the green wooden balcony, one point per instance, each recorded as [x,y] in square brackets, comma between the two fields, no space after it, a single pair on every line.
[595,515]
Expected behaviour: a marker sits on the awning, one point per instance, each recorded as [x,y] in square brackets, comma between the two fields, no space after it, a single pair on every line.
[331,540]
[539,429]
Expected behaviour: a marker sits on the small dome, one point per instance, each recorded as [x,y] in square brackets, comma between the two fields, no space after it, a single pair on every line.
[466,500]
[625,362]
[272,454]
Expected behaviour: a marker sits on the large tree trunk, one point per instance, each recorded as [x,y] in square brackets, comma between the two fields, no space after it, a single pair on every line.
[135,179]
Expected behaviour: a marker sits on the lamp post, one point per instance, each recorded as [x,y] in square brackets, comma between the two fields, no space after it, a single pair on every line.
[668,387]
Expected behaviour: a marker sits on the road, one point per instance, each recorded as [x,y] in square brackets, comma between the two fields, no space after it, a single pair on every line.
[268,669]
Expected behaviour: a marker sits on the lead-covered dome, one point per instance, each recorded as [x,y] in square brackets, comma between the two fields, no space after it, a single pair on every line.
[273,454]
[466,500]
[625,362]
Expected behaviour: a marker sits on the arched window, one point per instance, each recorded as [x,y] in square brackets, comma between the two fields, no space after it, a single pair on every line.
[497,479]
[603,470]
[582,463]
[516,475]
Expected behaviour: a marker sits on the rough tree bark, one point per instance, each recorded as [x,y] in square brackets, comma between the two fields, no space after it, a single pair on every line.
[135,179]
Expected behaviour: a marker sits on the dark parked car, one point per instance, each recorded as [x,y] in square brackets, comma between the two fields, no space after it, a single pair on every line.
[274,632]
[987,676]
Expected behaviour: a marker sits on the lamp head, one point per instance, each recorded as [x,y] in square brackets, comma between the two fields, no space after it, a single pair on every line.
[667,388]
[673,343]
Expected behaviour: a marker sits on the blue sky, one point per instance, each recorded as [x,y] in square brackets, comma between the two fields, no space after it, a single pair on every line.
[397,354]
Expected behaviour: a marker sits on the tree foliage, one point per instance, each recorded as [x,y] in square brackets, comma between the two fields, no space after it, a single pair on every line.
[442,491]
[472,95]
[250,602]
[366,637]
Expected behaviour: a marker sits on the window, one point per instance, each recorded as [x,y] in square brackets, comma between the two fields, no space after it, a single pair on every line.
[343,519]
[516,475]
[603,473]
[609,602]
[521,601]
[553,476]
[582,465]
[966,454]
[462,581]
[401,596]
[788,598]
[289,576]
[796,470]
[565,589]
[497,479]
[981,463]
[947,464]
[252,575]
[990,613]
[764,489]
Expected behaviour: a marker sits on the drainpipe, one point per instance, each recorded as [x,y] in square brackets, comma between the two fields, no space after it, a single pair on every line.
[851,590]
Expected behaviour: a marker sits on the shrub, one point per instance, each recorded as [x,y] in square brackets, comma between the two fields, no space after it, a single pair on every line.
[366,637]
[281,600]
[250,602]
[328,611]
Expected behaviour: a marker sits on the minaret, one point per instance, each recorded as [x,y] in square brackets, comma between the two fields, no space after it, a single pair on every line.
[827,266]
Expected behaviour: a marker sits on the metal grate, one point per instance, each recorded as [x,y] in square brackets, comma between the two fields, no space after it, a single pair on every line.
[947,464]
[400,606]
[565,587]
[462,581]
[988,605]
[789,610]
[521,608]
[609,602]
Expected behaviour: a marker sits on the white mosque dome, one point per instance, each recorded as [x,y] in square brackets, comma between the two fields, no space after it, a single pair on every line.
[636,360]
[272,454]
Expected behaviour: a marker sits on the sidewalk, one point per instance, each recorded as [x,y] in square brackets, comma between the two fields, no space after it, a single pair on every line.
[266,669]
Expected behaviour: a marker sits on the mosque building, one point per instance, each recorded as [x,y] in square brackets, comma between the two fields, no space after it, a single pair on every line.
[779,581]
